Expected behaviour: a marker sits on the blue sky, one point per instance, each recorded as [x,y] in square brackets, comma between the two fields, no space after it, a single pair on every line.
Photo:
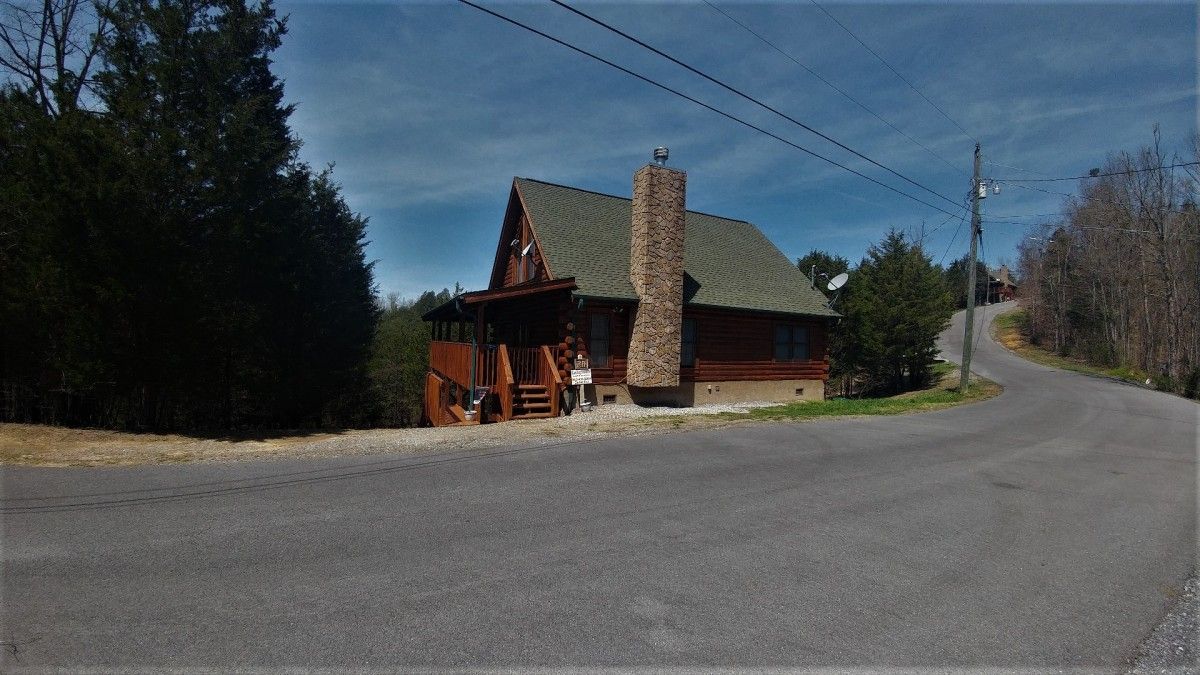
[428,110]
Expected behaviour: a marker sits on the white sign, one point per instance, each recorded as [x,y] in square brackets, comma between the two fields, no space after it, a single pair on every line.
[581,376]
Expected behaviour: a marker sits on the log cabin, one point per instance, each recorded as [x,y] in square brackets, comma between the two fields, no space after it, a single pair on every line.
[1001,288]
[604,299]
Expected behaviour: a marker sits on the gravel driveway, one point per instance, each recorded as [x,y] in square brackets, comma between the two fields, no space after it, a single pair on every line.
[51,446]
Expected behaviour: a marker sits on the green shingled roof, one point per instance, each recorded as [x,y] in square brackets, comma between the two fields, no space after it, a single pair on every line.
[727,263]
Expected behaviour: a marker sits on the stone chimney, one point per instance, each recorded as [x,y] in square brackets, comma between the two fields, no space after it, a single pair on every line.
[656,272]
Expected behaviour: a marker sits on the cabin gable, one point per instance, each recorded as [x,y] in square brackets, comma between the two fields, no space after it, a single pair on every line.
[519,258]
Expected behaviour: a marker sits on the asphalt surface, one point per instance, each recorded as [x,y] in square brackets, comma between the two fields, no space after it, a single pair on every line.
[1048,527]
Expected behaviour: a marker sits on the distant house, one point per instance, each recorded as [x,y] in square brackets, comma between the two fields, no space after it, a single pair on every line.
[1001,287]
[645,301]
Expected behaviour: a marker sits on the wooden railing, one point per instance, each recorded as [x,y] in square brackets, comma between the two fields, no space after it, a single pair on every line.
[527,365]
[452,360]
[552,379]
[437,398]
[497,367]
[505,383]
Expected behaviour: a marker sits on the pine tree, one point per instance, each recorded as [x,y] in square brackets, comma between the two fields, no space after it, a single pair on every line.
[895,307]
[175,265]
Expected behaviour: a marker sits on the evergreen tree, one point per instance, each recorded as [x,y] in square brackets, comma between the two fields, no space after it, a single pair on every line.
[825,263]
[400,358]
[175,265]
[895,306]
[956,276]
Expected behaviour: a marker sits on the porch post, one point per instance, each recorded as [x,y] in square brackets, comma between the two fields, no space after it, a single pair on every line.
[475,354]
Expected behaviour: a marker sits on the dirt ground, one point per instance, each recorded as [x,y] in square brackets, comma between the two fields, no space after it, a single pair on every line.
[36,445]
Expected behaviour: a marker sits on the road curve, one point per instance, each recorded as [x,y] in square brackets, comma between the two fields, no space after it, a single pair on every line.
[1047,527]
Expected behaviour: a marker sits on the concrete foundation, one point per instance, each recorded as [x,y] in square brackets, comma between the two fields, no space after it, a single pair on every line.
[699,393]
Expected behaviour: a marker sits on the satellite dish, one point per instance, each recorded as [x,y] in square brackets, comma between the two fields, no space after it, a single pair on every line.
[838,281]
[526,250]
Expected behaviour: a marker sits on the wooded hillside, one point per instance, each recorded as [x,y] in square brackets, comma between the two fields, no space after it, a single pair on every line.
[168,262]
[1117,281]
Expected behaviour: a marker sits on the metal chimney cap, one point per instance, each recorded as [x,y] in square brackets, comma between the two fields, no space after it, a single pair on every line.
[660,156]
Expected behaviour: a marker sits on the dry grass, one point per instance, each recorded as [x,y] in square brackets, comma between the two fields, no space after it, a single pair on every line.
[1009,329]
[34,444]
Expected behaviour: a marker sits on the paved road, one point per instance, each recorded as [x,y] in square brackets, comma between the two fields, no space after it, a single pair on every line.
[1046,527]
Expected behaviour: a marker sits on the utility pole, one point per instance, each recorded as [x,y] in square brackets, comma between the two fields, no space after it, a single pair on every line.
[976,188]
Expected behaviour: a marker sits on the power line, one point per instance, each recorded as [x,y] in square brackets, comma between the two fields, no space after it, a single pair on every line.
[962,219]
[746,96]
[1015,168]
[1124,230]
[1095,175]
[1027,215]
[926,234]
[895,72]
[1037,189]
[1081,198]
[833,86]
[698,102]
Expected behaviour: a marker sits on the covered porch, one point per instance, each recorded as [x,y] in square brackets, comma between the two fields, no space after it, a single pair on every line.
[496,355]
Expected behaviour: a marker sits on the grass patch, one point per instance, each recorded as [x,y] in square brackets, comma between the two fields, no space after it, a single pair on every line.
[943,394]
[1011,329]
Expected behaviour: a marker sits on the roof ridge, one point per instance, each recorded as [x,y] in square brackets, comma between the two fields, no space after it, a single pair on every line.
[627,199]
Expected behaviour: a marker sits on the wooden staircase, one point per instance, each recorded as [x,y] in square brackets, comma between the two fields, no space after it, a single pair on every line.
[531,402]
[525,386]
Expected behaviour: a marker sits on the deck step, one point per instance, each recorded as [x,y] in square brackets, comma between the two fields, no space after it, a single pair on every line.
[532,416]
[532,386]
[532,406]
[528,396]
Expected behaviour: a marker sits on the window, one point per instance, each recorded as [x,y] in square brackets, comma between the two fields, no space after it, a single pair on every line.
[598,339]
[687,354]
[791,343]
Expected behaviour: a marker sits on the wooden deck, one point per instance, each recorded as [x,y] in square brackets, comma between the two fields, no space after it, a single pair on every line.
[522,383]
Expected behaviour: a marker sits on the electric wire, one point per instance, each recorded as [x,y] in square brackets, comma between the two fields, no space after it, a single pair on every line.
[1126,230]
[696,101]
[961,221]
[1073,196]
[1015,168]
[834,87]
[1096,175]
[925,234]
[895,72]
[755,101]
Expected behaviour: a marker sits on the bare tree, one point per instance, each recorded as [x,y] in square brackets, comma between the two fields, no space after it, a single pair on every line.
[1118,280]
[49,48]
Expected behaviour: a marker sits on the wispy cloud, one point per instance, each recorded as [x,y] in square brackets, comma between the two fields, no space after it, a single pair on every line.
[429,110]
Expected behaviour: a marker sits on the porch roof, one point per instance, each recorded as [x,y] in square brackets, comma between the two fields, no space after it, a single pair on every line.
[456,307]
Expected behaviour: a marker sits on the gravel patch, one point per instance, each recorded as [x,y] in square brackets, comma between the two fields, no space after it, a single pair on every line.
[52,446]
[630,411]
[1173,646]
[601,421]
